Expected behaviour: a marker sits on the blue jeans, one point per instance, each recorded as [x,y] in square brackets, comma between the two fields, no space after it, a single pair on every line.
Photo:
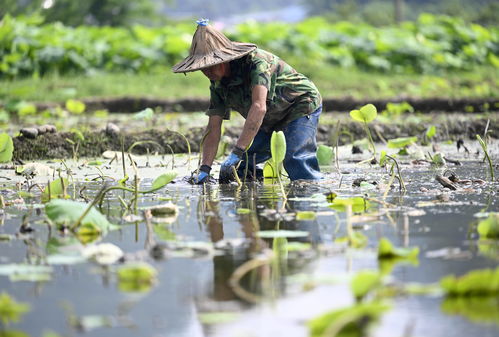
[300,161]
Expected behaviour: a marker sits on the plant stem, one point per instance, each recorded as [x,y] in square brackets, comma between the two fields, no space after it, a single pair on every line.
[370,138]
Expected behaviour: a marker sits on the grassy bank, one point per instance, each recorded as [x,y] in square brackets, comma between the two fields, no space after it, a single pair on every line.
[332,82]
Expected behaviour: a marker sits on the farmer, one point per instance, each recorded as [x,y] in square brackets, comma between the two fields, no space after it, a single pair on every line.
[267,92]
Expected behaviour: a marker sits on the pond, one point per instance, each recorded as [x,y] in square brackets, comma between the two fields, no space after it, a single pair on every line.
[281,281]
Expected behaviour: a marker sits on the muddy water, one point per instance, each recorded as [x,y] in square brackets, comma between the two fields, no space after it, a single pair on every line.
[308,283]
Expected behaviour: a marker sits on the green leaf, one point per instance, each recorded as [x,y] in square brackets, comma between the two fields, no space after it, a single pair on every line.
[364,282]
[325,154]
[359,204]
[136,277]
[352,321]
[386,250]
[366,114]
[278,147]
[217,317]
[145,114]
[306,215]
[26,272]
[438,159]
[489,228]
[482,282]
[57,189]
[243,211]
[75,106]
[79,135]
[162,181]
[10,309]
[6,148]
[269,171]
[402,142]
[67,212]
[382,158]
[431,131]
[270,234]
[481,310]
[355,240]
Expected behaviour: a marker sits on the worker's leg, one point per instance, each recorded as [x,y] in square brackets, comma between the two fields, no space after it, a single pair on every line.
[301,148]
[258,152]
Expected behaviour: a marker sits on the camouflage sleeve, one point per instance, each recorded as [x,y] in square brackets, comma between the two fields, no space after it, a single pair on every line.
[261,73]
[217,105]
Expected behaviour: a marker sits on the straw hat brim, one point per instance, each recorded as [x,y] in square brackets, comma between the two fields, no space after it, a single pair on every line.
[198,62]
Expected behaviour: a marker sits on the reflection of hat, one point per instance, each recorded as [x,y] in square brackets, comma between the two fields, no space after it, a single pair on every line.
[210,47]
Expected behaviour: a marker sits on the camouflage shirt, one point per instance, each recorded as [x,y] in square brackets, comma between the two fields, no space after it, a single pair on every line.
[290,94]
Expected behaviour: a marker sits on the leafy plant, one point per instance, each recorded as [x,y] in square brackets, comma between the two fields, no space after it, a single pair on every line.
[55,190]
[74,106]
[484,148]
[365,115]
[353,321]
[397,109]
[489,228]
[386,250]
[431,131]
[364,282]
[6,148]
[400,143]
[325,154]
[482,282]
[10,309]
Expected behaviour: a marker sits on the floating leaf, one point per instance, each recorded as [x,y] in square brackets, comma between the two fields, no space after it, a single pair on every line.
[278,147]
[6,148]
[67,212]
[104,253]
[482,282]
[386,250]
[165,210]
[364,282]
[162,181]
[402,142]
[306,215]
[489,228]
[218,317]
[75,106]
[26,272]
[353,321]
[136,277]
[57,190]
[10,309]
[325,154]
[358,204]
[366,114]
[281,234]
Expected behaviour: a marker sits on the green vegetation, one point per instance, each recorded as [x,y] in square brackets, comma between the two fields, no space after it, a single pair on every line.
[432,43]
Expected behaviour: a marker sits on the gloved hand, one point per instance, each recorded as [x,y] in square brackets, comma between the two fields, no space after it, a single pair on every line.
[201,176]
[226,170]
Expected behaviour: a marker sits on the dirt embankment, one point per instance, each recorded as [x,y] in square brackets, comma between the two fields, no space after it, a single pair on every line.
[425,105]
[56,145]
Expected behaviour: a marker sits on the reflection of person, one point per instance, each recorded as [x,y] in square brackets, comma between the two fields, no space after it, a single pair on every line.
[267,92]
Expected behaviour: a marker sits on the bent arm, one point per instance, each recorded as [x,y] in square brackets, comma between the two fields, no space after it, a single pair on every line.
[210,144]
[255,116]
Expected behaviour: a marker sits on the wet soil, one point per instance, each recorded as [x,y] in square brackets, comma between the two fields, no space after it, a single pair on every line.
[56,145]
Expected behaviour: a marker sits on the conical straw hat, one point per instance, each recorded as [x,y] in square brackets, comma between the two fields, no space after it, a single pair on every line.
[210,47]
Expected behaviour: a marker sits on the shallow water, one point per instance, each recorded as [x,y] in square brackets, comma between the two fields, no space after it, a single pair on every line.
[188,287]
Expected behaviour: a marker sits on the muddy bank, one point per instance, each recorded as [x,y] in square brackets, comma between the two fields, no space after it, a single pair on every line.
[66,144]
[426,105]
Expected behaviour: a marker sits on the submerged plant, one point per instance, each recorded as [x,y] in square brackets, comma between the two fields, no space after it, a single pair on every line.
[365,115]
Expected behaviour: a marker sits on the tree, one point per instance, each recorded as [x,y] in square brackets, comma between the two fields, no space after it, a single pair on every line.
[74,13]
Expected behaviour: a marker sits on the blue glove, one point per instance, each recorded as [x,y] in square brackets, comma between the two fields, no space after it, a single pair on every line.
[226,170]
[202,176]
